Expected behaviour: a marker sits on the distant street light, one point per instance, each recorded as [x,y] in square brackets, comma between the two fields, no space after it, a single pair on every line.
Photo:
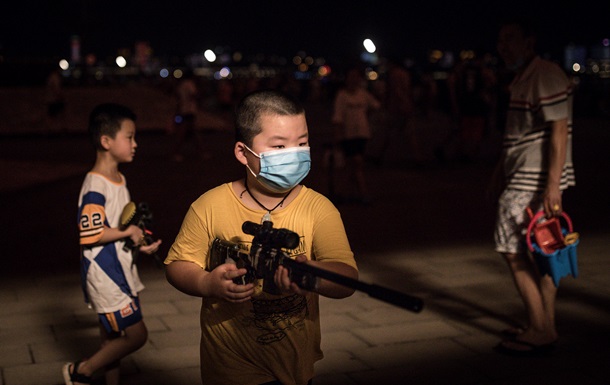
[209,55]
[369,56]
[120,61]
[369,46]
[63,64]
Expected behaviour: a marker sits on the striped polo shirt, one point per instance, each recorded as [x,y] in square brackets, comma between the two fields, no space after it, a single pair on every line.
[540,95]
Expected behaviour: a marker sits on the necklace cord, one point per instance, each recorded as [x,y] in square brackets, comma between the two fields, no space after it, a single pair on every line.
[260,204]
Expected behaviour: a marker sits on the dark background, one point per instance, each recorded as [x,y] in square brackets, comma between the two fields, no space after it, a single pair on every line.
[324,28]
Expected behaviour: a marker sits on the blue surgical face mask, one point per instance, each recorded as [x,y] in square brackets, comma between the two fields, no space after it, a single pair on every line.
[281,170]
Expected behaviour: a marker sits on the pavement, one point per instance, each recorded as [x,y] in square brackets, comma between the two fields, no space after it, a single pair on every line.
[427,233]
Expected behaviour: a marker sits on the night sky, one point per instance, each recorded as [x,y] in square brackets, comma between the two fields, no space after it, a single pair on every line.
[332,28]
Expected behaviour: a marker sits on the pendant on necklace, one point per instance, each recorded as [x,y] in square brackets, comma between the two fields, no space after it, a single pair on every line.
[266,217]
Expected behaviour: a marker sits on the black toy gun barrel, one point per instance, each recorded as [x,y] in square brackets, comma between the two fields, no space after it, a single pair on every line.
[306,275]
[302,273]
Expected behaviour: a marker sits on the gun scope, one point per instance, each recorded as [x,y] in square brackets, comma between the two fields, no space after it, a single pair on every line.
[266,234]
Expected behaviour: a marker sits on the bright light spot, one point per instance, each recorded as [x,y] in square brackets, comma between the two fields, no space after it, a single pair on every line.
[178,73]
[209,55]
[324,70]
[225,72]
[120,61]
[435,56]
[303,67]
[369,45]
[575,67]
[466,55]
[297,60]
[372,75]
[164,73]
[63,64]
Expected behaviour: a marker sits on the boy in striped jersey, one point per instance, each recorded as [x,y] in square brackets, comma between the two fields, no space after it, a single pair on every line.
[109,277]
[534,170]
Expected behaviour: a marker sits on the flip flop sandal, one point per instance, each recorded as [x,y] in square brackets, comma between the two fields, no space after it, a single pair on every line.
[75,376]
[530,350]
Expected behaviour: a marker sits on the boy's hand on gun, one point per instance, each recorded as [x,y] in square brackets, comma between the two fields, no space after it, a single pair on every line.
[219,283]
[137,236]
[150,249]
[283,281]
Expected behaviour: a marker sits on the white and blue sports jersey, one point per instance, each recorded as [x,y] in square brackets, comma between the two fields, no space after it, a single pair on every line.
[108,276]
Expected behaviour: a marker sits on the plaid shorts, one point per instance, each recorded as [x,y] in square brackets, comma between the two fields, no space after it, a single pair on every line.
[512,219]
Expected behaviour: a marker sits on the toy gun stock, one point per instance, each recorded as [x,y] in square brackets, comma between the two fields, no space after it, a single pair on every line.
[142,217]
[266,255]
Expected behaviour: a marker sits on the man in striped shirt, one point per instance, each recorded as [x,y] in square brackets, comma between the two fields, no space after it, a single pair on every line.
[534,170]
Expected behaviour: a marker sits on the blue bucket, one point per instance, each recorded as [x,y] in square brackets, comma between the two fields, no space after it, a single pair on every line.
[559,263]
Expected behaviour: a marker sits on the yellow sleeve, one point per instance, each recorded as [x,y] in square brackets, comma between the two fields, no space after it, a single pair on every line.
[329,239]
[191,243]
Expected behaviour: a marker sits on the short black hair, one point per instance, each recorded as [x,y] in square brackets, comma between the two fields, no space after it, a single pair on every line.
[524,22]
[106,119]
[258,103]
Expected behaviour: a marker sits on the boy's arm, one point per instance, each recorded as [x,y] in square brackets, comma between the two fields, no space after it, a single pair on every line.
[112,234]
[93,231]
[332,253]
[191,279]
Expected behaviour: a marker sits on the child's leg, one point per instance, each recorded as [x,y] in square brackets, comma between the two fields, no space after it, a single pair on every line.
[112,370]
[113,349]
[113,373]
[122,333]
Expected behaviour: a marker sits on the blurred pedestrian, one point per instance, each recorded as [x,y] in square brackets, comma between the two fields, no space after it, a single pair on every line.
[399,108]
[534,169]
[352,131]
[185,119]
[109,276]
[55,103]
[470,87]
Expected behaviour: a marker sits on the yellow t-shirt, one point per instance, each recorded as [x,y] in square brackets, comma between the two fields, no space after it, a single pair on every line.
[270,337]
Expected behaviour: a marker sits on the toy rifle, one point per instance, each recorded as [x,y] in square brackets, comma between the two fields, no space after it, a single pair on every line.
[266,255]
[142,217]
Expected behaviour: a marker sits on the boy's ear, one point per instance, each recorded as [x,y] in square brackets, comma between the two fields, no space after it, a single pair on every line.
[105,142]
[240,153]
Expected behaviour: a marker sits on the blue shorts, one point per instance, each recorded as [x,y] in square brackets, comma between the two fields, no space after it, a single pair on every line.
[121,319]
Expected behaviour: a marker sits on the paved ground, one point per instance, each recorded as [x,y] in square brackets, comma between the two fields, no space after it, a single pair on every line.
[427,233]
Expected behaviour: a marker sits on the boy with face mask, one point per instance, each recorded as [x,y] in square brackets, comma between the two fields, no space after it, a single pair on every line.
[249,336]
